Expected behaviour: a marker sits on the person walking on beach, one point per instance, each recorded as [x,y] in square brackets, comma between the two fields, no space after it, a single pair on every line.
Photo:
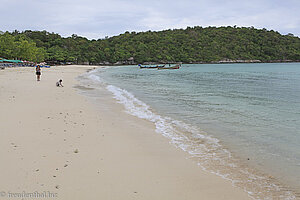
[38,72]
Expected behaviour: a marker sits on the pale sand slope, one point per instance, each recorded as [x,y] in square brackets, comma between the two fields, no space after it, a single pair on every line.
[119,156]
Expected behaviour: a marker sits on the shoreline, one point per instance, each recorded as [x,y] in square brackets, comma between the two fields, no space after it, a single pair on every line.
[93,66]
[204,63]
[54,139]
[251,179]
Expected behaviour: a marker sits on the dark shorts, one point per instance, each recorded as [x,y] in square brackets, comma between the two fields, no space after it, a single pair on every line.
[38,73]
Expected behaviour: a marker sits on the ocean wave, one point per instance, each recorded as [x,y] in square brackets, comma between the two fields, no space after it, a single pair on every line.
[94,77]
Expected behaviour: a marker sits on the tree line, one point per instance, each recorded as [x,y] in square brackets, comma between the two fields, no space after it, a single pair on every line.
[190,45]
[20,47]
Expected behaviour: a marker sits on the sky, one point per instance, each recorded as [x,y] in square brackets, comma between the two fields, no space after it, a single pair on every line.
[96,19]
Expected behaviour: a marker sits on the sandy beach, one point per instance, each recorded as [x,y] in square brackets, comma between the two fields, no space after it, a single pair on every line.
[58,142]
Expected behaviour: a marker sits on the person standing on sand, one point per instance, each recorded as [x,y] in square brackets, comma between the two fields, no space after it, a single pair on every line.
[38,72]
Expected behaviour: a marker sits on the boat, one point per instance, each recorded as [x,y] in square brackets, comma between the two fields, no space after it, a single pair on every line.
[150,66]
[177,66]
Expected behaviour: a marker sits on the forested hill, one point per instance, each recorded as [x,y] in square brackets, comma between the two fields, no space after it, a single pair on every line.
[191,45]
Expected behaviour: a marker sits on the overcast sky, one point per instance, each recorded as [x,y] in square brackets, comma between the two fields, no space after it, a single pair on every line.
[98,18]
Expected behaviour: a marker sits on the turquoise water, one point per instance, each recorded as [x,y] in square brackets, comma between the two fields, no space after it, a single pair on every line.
[250,110]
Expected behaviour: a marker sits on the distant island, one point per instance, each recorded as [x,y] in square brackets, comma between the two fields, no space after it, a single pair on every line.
[190,45]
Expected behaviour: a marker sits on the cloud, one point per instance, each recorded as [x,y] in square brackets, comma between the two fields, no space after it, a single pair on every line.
[99,18]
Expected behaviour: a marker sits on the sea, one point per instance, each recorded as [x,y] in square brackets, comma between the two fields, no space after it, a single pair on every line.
[238,121]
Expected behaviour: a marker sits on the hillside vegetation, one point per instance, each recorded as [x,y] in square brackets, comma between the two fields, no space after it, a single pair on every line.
[190,45]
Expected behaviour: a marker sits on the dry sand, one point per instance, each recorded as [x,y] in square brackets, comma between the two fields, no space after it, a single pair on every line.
[57,142]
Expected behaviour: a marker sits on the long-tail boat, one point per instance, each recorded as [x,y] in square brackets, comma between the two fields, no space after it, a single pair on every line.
[150,66]
[177,66]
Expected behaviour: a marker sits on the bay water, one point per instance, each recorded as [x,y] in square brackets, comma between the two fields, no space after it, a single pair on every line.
[239,121]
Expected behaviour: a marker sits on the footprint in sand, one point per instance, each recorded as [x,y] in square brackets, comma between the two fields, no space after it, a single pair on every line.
[14,145]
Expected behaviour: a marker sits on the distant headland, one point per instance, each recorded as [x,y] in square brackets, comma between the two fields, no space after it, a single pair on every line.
[190,45]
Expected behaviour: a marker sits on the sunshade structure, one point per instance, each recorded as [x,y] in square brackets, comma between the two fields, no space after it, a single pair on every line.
[11,61]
